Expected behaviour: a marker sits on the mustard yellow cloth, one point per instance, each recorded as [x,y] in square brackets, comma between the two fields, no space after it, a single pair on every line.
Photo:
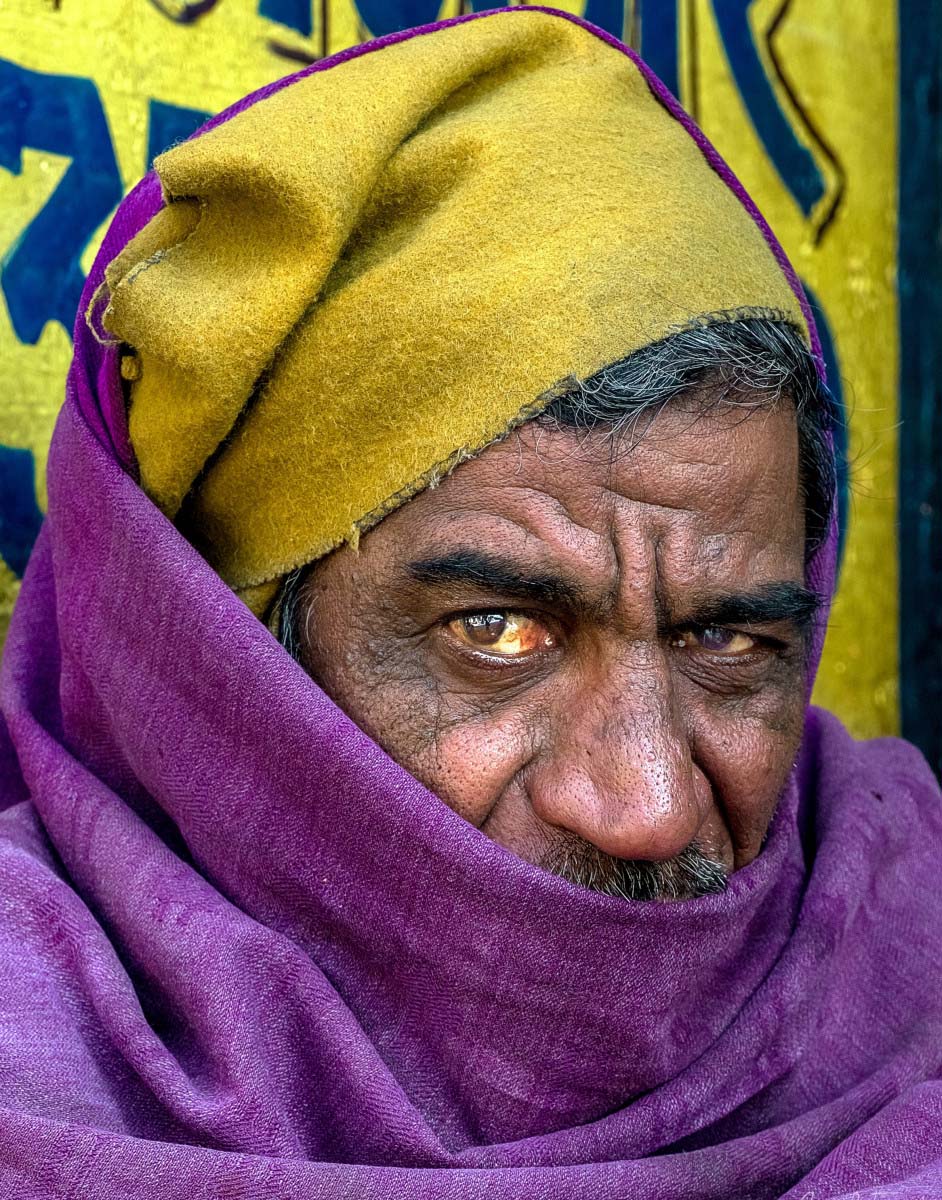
[373,273]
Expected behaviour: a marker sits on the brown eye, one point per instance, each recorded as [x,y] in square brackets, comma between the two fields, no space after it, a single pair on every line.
[716,640]
[511,635]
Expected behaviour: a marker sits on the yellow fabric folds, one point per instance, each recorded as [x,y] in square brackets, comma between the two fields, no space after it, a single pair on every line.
[378,270]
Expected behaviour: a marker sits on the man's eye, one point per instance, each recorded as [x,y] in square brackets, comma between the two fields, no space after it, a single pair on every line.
[511,635]
[716,640]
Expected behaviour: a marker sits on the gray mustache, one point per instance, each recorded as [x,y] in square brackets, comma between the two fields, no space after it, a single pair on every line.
[690,873]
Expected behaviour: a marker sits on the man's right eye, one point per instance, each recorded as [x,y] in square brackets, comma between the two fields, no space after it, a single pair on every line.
[503,634]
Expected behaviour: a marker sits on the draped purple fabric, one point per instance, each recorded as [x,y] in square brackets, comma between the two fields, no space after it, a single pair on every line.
[244,954]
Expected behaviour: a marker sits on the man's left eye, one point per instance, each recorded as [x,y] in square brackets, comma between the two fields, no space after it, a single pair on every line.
[716,640]
[507,634]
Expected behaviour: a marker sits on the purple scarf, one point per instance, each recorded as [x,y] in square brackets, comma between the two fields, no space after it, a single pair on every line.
[244,954]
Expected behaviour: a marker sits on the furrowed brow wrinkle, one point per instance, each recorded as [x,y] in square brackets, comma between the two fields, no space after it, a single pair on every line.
[750,360]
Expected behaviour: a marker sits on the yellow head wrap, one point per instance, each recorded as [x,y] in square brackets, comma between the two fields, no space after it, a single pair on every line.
[374,272]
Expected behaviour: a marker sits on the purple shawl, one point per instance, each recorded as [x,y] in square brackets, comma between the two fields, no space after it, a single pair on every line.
[244,954]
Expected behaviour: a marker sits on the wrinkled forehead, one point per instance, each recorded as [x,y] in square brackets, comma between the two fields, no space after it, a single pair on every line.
[713,493]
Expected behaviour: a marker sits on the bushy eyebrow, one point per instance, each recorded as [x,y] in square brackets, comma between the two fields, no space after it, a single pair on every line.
[770,604]
[489,572]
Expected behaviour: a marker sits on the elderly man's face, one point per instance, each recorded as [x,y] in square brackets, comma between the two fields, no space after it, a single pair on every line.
[593,650]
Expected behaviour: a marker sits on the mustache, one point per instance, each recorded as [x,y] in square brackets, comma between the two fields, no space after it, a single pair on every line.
[689,874]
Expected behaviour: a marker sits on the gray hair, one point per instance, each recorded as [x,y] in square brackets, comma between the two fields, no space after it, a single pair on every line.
[749,361]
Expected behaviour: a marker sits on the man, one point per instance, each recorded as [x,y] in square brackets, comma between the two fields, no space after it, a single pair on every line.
[465,365]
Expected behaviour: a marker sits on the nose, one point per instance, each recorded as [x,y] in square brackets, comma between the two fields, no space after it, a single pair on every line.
[615,767]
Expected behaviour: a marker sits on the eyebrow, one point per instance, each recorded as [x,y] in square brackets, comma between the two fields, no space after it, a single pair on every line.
[770,604]
[489,572]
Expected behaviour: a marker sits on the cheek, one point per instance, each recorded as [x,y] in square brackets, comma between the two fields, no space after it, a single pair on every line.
[467,760]
[470,764]
[747,759]
[466,757]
